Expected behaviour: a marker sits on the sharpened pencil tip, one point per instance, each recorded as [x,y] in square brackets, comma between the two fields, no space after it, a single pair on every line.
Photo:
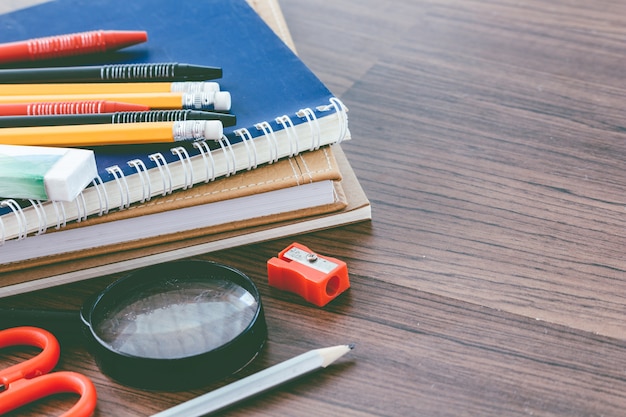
[331,354]
[351,346]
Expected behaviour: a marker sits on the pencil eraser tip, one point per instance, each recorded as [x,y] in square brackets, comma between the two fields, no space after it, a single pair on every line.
[213,129]
[221,101]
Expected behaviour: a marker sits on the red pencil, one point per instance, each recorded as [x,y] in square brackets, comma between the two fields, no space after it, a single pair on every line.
[75,107]
[70,44]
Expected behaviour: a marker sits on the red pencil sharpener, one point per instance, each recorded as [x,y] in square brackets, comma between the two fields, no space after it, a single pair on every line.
[318,279]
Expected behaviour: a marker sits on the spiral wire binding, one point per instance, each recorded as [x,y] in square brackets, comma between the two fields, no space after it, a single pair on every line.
[41,216]
[228,149]
[142,171]
[80,202]
[185,161]
[124,71]
[313,123]
[61,217]
[341,112]
[207,157]
[122,184]
[292,136]
[268,132]
[161,164]
[246,139]
[103,198]
[19,214]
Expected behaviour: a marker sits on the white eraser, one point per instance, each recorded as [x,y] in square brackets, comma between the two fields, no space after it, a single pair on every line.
[213,129]
[221,101]
[45,173]
[68,177]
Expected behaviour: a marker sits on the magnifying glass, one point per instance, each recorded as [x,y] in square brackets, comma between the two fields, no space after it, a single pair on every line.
[171,326]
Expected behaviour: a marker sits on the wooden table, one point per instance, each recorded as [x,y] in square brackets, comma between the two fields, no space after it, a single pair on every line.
[490,137]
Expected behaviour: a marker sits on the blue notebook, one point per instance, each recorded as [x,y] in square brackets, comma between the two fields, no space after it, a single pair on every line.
[282,108]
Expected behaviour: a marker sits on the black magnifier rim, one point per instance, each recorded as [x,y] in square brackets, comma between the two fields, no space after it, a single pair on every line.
[179,373]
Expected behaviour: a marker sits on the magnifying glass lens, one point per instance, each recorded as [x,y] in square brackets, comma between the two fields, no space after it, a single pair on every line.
[177,318]
[176,325]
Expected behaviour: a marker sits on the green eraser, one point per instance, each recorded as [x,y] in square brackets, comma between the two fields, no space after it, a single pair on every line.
[45,173]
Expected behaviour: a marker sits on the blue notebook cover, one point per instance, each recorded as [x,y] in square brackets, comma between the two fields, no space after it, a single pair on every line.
[265,78]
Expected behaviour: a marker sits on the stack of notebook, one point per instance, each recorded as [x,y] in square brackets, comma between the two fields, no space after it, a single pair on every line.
[279,171]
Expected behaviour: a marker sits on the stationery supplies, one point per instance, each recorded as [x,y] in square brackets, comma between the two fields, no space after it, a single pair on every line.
[316,278]
[32,380]
[282,108]
[212,100]
[44,173]
[70,44]
[157,72]
[117,117]
[257,383]
[126,87]
[75,107]
[113,133]
[176,325]
[351,204]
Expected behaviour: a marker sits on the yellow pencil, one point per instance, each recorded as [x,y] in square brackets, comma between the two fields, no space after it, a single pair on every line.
[108,88]
[112,134]
[215,100]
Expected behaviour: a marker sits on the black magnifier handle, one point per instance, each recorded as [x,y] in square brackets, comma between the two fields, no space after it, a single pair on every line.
[65,325]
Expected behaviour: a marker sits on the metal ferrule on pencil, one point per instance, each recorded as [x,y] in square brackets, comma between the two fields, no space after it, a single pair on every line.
[197,130]
[218,101]
[194,87]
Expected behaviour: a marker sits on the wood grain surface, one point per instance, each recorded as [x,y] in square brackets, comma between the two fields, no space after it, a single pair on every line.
[490,137]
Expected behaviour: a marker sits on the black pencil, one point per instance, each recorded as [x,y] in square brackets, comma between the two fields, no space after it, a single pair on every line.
[111,73]
[118,117]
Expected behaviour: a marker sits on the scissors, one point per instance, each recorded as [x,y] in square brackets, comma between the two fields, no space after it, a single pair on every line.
[25,382]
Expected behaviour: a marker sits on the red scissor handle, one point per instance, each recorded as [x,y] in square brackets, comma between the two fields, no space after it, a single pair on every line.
[22,383]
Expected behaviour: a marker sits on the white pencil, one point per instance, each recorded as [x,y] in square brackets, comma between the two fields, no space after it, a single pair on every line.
[257,383]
